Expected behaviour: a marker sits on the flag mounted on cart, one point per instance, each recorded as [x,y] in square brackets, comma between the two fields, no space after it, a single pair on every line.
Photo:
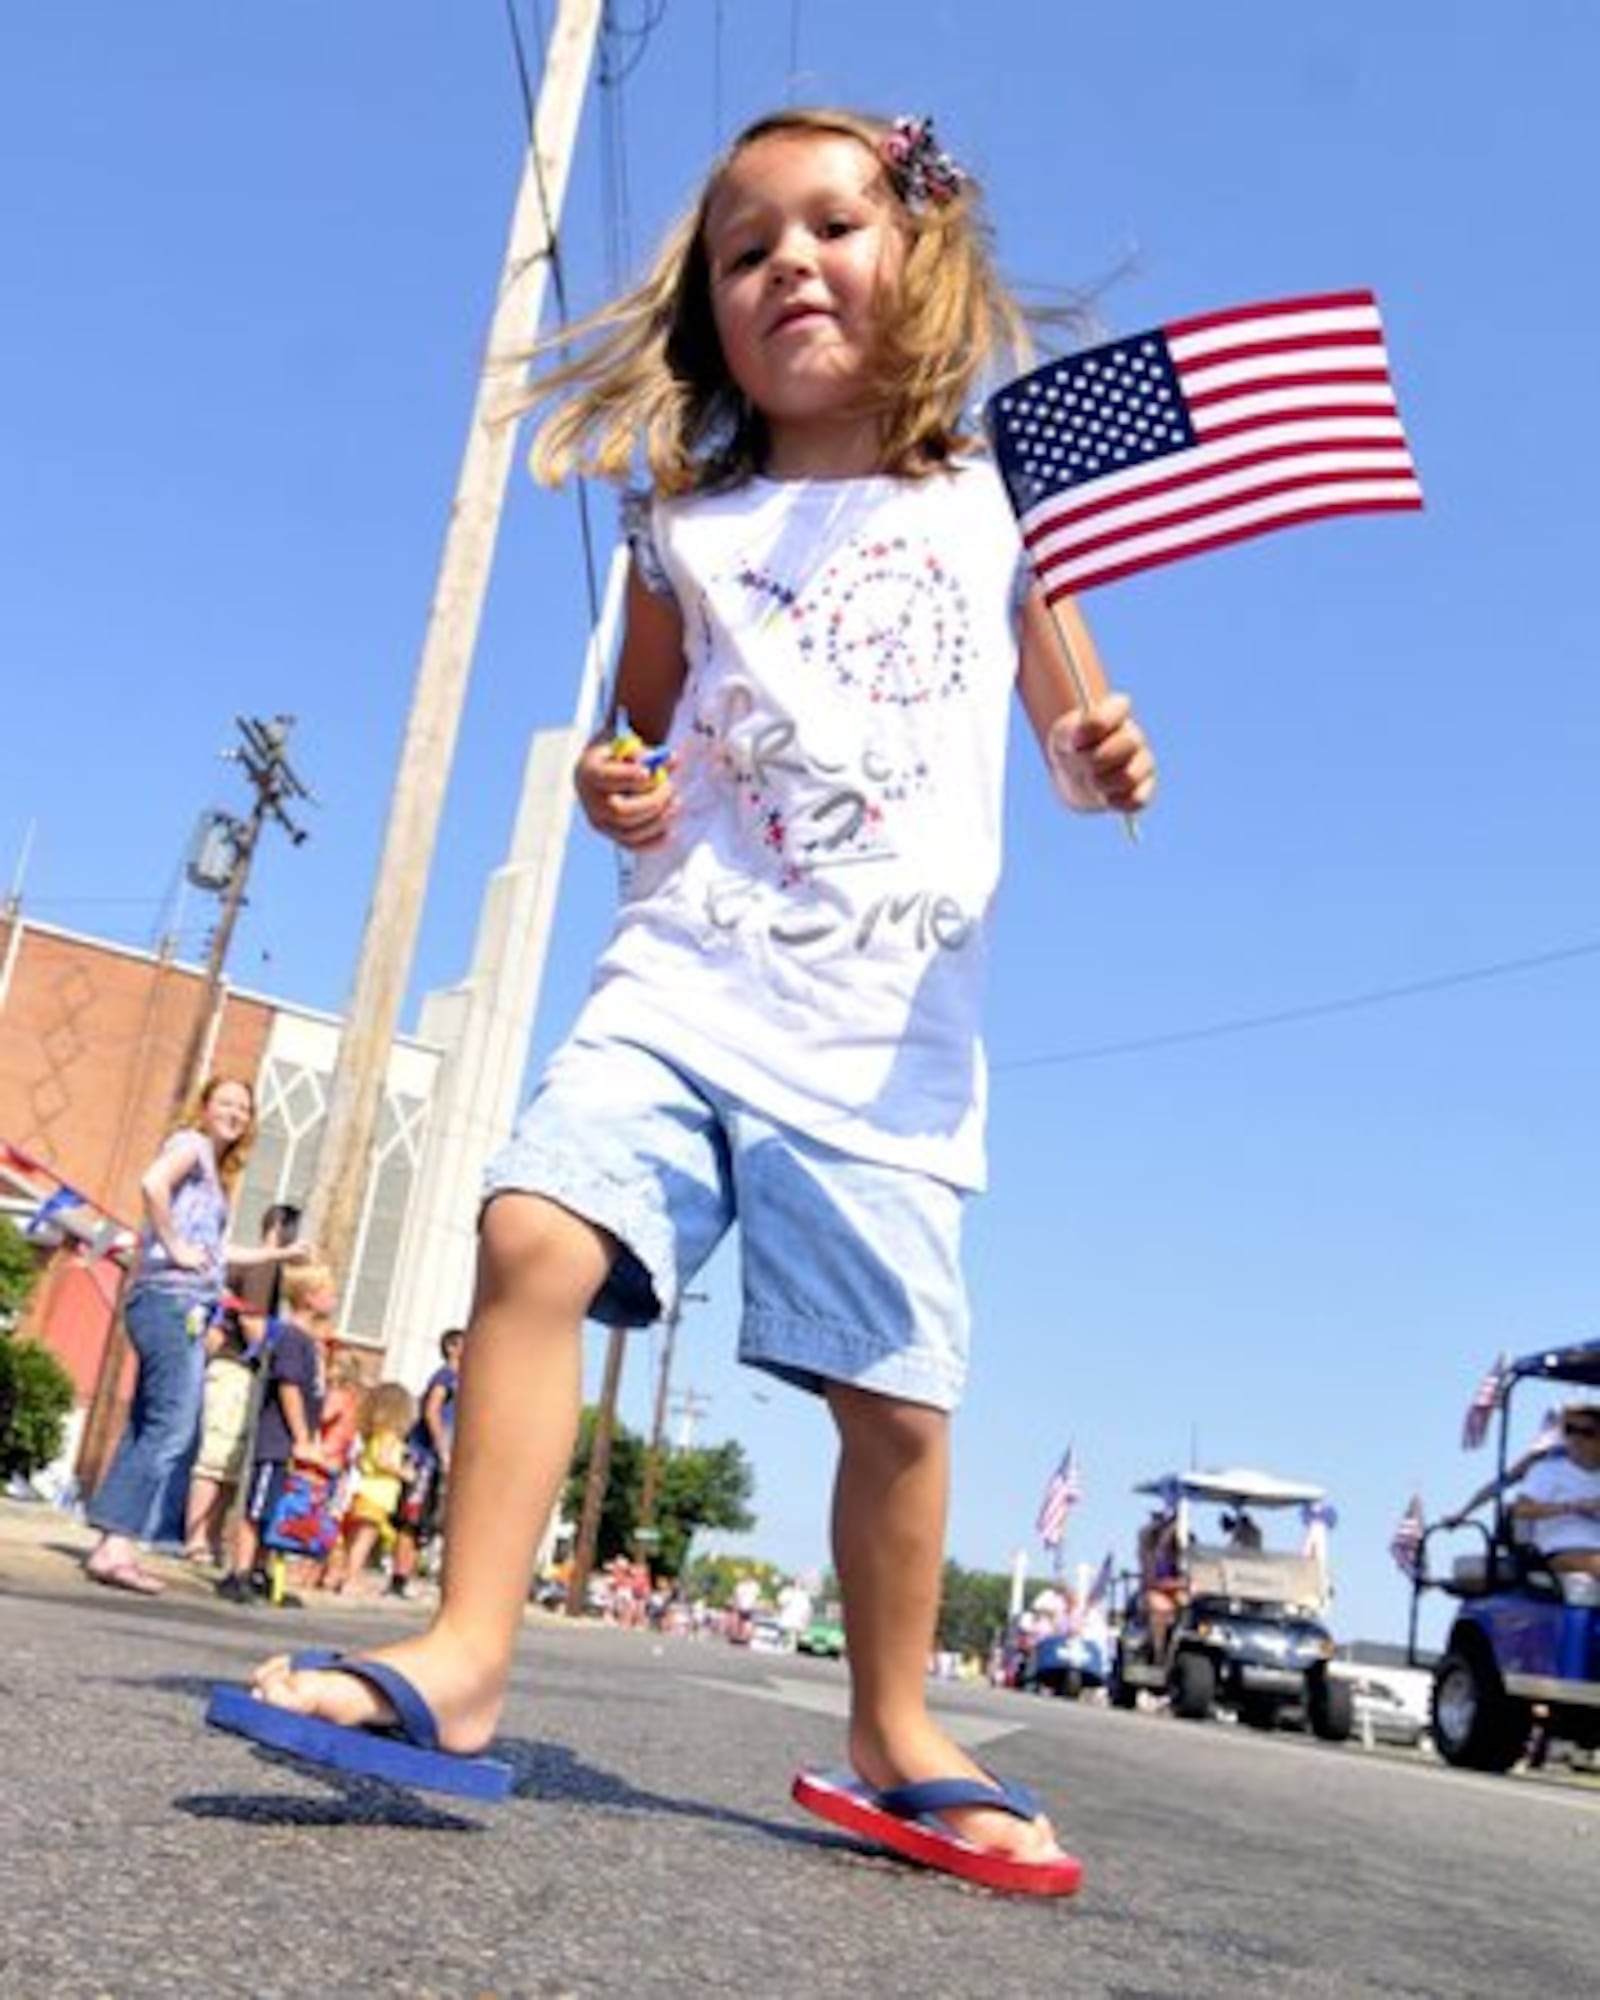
[1062,1494]
[1405,1544]
[1485,1401]
[1190,436]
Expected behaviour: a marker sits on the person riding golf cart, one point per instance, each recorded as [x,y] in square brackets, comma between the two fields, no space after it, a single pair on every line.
[1526,1630]
[1226,1613]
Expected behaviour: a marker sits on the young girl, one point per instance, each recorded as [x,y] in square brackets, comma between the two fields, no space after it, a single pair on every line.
[826,615]
[387,1413]
[187,1191]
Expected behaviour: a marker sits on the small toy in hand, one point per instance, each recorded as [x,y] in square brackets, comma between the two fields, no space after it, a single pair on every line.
[629,744]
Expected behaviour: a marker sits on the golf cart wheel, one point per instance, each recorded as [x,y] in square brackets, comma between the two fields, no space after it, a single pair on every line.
[1476,1724]
[1330,1707]
[1193,1686]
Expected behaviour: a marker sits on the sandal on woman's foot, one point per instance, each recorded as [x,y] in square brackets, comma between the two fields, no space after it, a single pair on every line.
[126,1576]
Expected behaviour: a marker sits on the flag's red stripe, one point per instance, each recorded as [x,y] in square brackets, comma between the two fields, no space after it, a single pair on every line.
[1296,343]
[1389,456]
[1275,309]
[1311,378]
[1177,517]
[1110,572]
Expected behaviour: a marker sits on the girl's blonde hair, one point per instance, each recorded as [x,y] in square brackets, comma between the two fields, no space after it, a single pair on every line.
[388,1407]
[650,378]
[232,1161]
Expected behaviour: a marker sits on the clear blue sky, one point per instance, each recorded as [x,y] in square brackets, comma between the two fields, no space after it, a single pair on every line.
[249,254]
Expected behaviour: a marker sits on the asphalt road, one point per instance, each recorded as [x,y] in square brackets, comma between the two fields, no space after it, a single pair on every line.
[650,1847]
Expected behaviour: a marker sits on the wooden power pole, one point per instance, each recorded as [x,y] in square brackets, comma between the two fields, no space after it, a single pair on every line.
[265,757]
[389,941]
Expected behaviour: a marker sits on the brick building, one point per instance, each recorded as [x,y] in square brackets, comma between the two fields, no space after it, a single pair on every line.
[93,1036]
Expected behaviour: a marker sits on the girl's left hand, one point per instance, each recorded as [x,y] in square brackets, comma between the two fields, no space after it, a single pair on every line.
[1100,757]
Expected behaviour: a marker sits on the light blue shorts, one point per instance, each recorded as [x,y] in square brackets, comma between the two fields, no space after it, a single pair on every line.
[850,1270]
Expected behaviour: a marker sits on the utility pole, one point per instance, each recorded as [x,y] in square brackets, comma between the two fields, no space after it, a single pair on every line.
[594,1487]
[658,1427]
[273,779]
[389,941]
[689,1408]
[220,861]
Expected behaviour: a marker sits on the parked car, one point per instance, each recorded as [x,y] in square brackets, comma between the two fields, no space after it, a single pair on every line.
[1392,1704]
[1246,1629]
[769,1635]
[823,1637]
[1523,1634]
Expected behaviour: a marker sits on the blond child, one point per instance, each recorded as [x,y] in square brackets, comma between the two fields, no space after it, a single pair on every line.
[387,1413]
[288,1428]
[827,616]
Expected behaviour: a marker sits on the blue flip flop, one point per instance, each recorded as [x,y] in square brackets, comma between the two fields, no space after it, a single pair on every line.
[405,1753]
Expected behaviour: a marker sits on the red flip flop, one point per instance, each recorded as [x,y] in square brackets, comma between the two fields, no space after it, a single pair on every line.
[905,1820]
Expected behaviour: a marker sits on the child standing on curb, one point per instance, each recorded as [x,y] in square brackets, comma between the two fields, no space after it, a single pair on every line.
[288,1428]
[827,616]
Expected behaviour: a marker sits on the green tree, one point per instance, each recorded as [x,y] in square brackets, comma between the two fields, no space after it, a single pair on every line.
[36,1396]
[697,1489]
[19,1272]
[709,1488]
[713,1577]
[973,1607]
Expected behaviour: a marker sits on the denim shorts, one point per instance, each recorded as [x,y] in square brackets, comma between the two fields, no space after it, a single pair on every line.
[850,1270]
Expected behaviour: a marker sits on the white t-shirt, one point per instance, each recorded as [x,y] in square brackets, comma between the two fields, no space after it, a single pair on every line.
[1560,1479]
[811,938]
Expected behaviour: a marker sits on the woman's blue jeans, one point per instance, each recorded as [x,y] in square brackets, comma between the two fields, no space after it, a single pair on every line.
[165,1414]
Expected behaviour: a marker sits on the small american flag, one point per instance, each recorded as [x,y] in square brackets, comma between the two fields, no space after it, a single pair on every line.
[1485,1401]
[1201,433]
[60,1203]
[1405,1544]
[1100,1586]
[1062,1494]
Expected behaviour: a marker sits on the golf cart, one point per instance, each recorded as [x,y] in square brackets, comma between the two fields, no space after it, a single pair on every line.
[1241,1624]
[1060,1646]
[1523,1634]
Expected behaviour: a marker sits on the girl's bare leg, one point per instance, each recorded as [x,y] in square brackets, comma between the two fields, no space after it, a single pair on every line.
[516,1423]
[889,1504]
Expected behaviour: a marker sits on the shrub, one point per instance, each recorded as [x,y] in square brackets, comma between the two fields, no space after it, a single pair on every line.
[36,1398]
[19,1271]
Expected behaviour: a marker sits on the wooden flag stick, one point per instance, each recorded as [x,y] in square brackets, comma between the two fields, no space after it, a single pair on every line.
[1080,687]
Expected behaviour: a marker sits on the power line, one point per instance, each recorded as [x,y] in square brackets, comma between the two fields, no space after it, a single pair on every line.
[1315,1010]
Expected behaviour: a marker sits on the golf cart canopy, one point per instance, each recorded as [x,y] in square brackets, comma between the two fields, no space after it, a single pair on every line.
[1237,1487]
[1578,1363]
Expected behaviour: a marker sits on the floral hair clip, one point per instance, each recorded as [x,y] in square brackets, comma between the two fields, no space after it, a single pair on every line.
[918,166]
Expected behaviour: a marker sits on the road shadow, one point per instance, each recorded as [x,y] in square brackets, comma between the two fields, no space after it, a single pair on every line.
[546,1772]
